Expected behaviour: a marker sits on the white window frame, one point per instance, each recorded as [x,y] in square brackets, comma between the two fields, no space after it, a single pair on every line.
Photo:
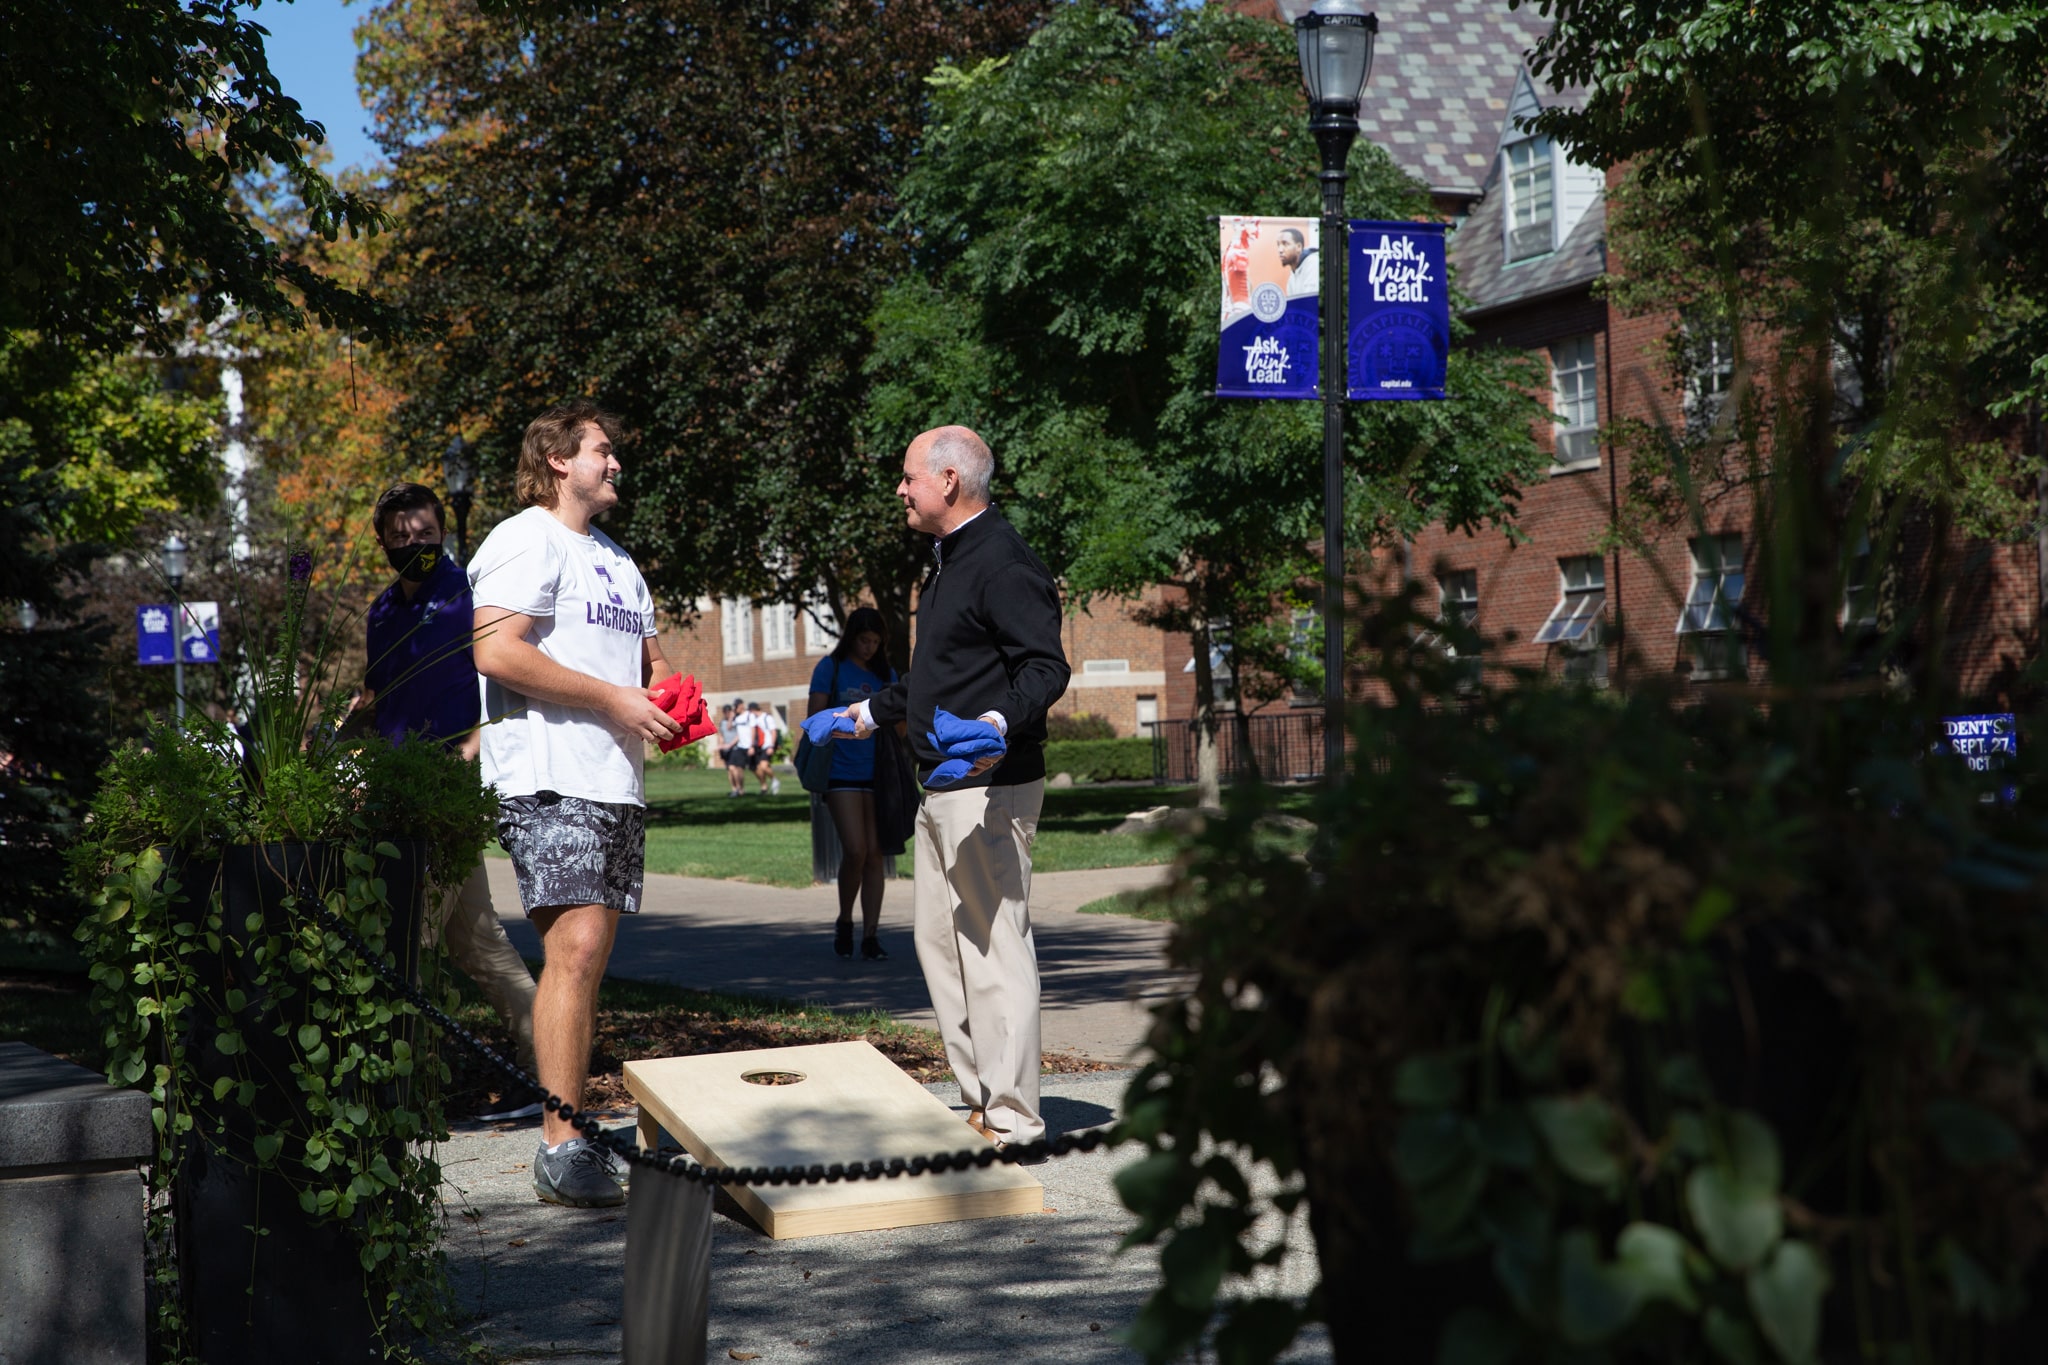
[1581,602]
[778,631]
[1859,589]
[1575,398]
[820,635]
[1529,175]
[1300,625]
[1709,375]
[1717,584]
[736,628]
[1708,618]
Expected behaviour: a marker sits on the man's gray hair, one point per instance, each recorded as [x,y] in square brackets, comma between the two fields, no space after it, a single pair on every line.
[966,454]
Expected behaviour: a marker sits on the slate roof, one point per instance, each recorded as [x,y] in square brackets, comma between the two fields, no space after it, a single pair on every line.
[1443,72]
[1479,265]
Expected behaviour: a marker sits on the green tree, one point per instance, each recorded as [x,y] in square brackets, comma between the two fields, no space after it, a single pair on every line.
[1068,308]
[53,733]
[1850,191]
[687,211]
[128,130]
[117,443]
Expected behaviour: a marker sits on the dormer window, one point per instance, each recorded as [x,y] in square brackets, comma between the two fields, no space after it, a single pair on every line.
[1531,197]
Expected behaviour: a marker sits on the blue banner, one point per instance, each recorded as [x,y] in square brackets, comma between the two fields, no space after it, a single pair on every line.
[1271,272]
[156,640]
[1399,313]
[162,638]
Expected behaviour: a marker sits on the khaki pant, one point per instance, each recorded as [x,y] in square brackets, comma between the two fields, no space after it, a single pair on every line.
[467,925]
[973,933]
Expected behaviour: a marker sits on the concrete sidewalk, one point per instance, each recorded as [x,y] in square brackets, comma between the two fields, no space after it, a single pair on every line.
[538,1283]
[1098,973]
[534,1282]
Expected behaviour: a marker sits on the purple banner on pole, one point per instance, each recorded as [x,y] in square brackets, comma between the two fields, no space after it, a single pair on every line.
[1271,269]
[1400,312]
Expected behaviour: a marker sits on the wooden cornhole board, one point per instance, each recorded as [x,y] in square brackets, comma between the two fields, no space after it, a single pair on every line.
[853,1104]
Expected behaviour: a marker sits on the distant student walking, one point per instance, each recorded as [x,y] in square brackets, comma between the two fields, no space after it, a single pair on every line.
[854,671]
[732,752]
[768,730]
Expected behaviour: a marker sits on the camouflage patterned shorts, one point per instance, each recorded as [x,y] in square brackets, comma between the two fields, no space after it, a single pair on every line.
[569,851]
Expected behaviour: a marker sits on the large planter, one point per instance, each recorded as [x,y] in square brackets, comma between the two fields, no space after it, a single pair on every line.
[1789,1052]
[264,1281]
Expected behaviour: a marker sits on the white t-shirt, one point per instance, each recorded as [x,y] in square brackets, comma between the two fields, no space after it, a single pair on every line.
[591,611]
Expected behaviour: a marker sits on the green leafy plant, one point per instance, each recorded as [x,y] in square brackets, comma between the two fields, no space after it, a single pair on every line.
[293,1058]
[1101,760]
[1078,725]
[1605,1028]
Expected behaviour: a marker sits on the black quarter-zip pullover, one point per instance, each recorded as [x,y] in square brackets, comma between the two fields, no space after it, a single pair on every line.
[988,639]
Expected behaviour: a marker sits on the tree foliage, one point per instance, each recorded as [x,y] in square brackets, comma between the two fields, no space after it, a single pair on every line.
[1852,191]
[52,726]
[128,129]
[119,444]
[687,211]
[1068,303]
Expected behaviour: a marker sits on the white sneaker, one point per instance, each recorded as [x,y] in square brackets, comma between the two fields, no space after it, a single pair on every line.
[775,786]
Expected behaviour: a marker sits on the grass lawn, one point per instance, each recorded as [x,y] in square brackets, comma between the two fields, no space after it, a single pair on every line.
[1135,904]
[696,830]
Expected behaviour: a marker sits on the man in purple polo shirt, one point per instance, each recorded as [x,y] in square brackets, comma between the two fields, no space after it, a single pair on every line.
[422,678]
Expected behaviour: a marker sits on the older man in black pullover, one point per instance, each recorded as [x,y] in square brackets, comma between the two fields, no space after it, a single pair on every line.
[988,647]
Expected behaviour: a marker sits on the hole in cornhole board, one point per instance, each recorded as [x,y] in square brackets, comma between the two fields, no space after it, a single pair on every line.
[771,1077]
[853,1104]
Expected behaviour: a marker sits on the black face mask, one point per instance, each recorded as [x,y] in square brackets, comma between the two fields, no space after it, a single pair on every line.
[414,562]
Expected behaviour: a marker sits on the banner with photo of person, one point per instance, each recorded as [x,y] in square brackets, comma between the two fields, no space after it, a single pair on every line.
[1271,273]
[1399,311]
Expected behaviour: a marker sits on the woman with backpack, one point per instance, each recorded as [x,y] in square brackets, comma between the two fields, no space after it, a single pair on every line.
[857,668]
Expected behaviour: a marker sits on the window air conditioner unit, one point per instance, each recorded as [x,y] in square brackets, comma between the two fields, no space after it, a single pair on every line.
[1533,240]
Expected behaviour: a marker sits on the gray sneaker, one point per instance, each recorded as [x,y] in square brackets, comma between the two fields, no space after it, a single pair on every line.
[578,1174]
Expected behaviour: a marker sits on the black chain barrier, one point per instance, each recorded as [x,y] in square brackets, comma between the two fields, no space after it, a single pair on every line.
[688,1168]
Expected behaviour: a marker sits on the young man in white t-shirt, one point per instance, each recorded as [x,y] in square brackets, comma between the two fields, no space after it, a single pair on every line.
[566,644]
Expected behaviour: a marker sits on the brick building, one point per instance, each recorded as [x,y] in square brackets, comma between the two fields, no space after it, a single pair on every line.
[1450,82]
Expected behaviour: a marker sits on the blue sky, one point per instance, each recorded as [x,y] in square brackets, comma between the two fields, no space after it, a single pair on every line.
[312,49]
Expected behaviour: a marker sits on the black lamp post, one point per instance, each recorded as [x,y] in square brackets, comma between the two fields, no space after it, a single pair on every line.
[175,564]
[1335,39]
[458,470]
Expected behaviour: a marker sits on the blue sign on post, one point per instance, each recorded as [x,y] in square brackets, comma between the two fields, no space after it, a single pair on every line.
[161,638]
[155,640]
[1271,273]
[1399,312]
[199,634]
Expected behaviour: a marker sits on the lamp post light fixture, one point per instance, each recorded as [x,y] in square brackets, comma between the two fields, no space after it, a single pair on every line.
[1335,41]
[458,471]
[175,564]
